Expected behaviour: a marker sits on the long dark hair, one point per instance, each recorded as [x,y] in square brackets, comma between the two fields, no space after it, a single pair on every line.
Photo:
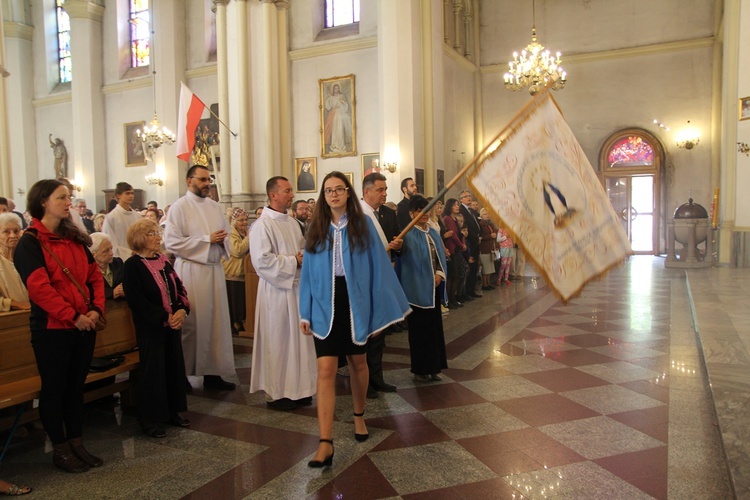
[448,207]
[38,194]
[318,236]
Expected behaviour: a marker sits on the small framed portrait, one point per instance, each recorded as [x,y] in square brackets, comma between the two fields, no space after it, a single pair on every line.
[744,108]
[370,164]
[306,171]
[350,176]
[134,155]
[338,123]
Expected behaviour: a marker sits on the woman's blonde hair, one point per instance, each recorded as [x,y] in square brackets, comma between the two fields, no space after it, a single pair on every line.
[138,234]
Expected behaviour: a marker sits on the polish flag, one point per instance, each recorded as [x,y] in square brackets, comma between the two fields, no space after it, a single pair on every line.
[191,110]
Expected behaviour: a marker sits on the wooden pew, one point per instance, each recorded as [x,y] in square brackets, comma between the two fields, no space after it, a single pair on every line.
[19,378]
[251,294]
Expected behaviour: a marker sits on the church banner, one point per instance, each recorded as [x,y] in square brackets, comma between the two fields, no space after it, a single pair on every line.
[541,186]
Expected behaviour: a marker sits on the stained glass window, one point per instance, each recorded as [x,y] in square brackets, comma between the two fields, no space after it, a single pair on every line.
[63,43]
[630,151]
[340,12]
[140,33]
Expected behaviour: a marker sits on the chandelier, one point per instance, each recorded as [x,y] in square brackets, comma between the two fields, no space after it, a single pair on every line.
[535,67]
[154,135]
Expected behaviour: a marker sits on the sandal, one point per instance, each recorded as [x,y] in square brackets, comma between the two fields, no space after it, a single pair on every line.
[14,490]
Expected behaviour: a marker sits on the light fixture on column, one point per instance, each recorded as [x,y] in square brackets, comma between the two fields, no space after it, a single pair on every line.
[688,138]
[77,184]
[743,148]
[535,67]
[154,134]
[154,180]
[390,166]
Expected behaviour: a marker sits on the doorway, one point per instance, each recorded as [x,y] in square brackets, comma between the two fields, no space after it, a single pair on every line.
[630,169]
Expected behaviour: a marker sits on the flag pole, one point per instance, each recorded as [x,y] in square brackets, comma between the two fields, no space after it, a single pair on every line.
[499,137]
[219,119]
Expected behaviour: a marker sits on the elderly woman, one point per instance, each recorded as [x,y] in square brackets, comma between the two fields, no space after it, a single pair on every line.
[159,304]
[423,269]
[110,266]
[66,291]
[234,269]
[344,273]
[99,222]
[12,292]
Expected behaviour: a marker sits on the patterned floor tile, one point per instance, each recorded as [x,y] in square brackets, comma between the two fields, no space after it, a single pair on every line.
[611,399]
[474,420]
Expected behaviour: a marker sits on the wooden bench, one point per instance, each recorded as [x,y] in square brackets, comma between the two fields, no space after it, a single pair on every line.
[19,378]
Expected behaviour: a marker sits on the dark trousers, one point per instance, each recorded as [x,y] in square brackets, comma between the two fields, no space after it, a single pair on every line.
[471,278]
[63,358]
[161,382]
[375,348]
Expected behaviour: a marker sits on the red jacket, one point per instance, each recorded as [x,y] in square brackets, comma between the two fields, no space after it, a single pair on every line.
[56,303]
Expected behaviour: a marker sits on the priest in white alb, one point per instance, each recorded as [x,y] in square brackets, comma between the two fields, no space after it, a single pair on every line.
[284,361]
[196,232]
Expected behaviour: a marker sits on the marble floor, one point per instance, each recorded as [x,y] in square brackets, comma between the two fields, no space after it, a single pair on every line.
[605,397]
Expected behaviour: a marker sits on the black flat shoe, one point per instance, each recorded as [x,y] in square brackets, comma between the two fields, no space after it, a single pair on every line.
[383,387]
[326,462]
[303,401]
[218,383]
[361,438]
[283,404]
[154,430]
[372,393]
[178,421]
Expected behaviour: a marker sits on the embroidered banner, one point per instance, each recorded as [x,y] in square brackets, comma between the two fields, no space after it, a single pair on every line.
[540,184]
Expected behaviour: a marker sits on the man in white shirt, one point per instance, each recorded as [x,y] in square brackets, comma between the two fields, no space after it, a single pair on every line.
[121,217]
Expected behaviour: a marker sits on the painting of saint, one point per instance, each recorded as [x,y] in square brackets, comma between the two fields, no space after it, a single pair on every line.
[338,129]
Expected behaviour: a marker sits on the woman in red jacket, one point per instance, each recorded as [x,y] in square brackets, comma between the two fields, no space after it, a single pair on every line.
[63,318]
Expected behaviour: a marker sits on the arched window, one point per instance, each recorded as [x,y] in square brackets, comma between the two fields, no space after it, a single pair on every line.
[140,33]
[63,43]
[630,151]
[341,12]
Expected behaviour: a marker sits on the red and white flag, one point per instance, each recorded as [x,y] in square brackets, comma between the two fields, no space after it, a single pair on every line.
[191,110]
[542,187]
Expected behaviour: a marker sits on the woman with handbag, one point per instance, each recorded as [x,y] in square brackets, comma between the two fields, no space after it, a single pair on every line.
[66,291]
[159,304]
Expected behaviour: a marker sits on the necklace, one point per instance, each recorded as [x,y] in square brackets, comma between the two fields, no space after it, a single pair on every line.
[162,274]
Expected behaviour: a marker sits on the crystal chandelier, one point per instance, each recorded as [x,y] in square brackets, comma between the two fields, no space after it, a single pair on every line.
[535,67]
[154,135]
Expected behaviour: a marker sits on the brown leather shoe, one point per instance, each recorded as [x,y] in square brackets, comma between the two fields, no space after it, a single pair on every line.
[64,458]
[77,446]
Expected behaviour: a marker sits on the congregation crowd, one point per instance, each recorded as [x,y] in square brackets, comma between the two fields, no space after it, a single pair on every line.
[335,279]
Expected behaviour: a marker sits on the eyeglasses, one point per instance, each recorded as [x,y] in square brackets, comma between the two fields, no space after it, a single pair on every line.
[152,233]
[202,179]
[338,190]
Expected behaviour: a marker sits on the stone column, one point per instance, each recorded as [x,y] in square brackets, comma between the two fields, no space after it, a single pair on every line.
[457,7]
[433,96]
[268,115]
[89,164]
[467,30]
[243,91]
[285,98]
[225,175]
[17,102]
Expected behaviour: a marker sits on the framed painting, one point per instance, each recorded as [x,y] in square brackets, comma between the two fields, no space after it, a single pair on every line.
[306,170]
[134,156]
[370,164]
[338,123]
[350,176]
[419,180]
[744,108]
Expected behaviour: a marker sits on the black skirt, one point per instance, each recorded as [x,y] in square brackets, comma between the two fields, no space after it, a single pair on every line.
[427,340]
[339,341]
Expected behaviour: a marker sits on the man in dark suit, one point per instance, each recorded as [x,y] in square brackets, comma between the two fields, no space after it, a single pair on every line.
[409,189]
[81,208]
[299,212]
[471,222]
[374,191]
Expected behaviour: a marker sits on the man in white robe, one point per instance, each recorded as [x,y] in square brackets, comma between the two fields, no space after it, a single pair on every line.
[117,222]
[196,233]
[284,361]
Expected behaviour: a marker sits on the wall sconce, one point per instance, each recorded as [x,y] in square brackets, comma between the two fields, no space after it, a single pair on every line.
[154,180]
[390,166]
[688,138]
[77,184]
[743,148]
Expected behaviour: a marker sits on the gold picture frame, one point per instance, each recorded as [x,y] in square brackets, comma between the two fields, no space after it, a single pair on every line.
[338,122]
[133,147]
[370,163]
[350,176]
[744,108]
[306,173]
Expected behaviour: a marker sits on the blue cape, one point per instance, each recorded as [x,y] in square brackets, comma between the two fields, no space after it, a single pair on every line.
[417,277]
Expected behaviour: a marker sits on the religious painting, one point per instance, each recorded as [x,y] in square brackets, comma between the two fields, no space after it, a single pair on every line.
[419,179]
[370,164]
[206,136]
[744,108]
[306,171]
[338,124]
[350,176]
[134,155]
[440,180]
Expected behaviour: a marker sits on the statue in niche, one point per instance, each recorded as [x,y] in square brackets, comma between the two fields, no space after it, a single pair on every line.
[61,156]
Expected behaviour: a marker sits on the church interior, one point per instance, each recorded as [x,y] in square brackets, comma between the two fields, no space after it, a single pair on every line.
[637,388]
